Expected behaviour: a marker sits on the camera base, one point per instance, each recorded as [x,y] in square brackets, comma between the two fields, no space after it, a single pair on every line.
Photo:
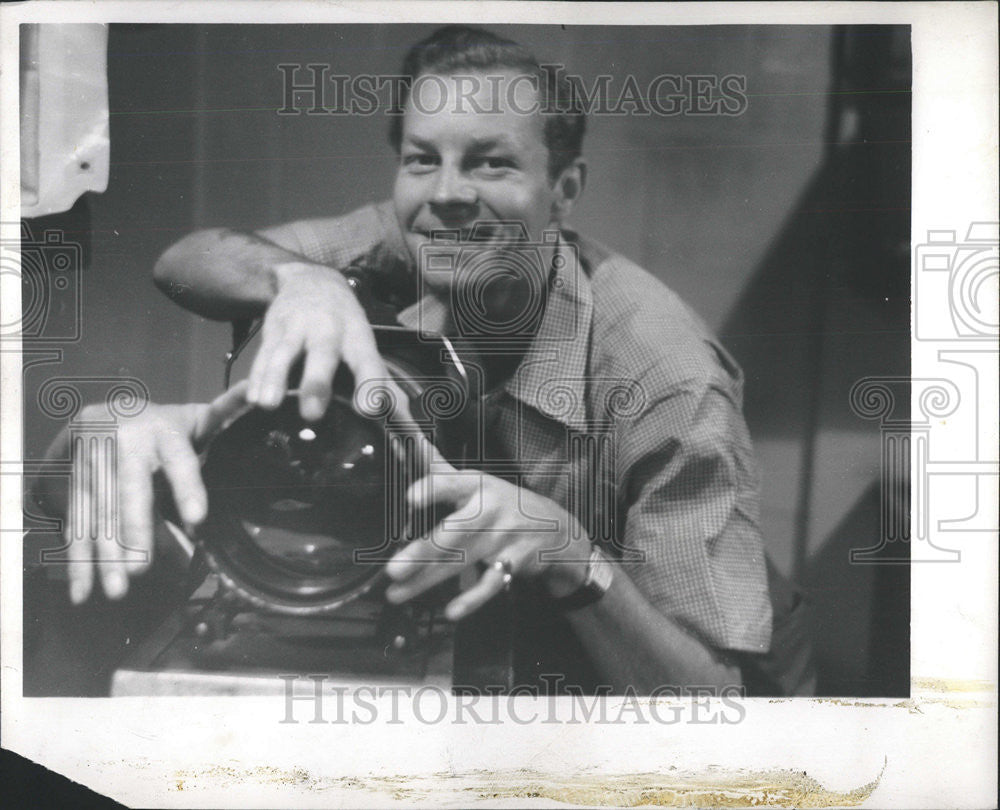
[205,649]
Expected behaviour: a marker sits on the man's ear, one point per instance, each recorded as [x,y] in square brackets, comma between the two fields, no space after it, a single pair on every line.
[569,188]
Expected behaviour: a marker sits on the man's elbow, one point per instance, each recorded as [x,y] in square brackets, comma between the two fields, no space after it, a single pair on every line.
[175,271]
[164,276]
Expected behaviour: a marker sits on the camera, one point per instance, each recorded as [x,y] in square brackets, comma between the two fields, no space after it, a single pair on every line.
[496,279]
[963,273]
[288,572]
[50,286]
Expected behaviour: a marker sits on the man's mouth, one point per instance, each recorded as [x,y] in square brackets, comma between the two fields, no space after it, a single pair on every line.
[496,232]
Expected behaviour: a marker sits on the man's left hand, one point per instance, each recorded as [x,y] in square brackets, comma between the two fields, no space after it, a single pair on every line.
[519,532]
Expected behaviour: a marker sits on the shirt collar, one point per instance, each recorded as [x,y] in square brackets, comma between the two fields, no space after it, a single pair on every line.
[551,377]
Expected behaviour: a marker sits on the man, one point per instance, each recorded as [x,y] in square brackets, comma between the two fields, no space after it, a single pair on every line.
[663,584]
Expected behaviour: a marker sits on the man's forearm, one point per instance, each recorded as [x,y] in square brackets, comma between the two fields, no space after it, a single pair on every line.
[634,644]
[222,274]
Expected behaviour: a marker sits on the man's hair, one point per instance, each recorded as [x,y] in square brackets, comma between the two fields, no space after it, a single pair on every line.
[457,48]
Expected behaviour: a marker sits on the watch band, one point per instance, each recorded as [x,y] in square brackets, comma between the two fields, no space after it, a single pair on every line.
[600,574]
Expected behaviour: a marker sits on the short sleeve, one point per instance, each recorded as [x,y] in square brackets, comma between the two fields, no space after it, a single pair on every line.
[337,241]
[688,490]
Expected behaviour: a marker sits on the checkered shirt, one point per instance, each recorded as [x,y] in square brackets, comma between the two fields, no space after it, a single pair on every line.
[627,412]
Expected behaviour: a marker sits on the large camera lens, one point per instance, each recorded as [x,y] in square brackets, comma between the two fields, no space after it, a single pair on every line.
[299,511]
[303,516]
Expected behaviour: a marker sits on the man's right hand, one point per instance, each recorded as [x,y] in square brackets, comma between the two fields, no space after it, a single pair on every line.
[315,315]
[112,530]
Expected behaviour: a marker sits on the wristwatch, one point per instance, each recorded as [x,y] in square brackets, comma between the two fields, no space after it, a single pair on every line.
[600,573]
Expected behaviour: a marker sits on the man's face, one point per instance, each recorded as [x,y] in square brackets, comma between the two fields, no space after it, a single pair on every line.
[460,165]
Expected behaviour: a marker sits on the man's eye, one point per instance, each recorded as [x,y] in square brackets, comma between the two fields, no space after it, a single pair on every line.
[419,161]
[495,165]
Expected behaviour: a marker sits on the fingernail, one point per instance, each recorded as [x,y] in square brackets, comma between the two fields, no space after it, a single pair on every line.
[395,594]
[399,569]
[453,613]
[312,408]
[193,510]
[115,585]
[78,591]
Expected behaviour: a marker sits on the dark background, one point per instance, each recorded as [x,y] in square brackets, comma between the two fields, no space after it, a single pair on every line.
[787,228]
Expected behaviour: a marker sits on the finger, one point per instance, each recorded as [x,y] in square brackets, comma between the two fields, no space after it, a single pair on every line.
[459,503]
[417,555]
[493,581]
[424,579]
[224,408]
[274,375]
[438,556]
[363,359]
[443,487]
[425,575]
[81,521]
[135,482]
[427,459]
[378,396]
[269,375]
[317,376]
[256,376]
[180,465]
[81,565]
[108,539]
[80,549]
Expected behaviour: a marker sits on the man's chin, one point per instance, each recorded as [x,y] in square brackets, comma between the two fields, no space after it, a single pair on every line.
[476,269]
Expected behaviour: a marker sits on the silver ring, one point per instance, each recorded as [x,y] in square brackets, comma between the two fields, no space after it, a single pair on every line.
[506,568]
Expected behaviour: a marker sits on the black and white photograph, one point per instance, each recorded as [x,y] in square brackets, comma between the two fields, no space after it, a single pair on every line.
[507,382]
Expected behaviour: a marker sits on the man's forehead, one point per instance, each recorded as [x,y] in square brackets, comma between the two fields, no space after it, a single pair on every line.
[491,105]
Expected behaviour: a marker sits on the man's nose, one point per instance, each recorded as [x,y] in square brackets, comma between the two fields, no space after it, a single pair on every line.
[453,188]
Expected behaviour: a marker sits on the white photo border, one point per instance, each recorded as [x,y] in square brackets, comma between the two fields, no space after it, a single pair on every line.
[936,749]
